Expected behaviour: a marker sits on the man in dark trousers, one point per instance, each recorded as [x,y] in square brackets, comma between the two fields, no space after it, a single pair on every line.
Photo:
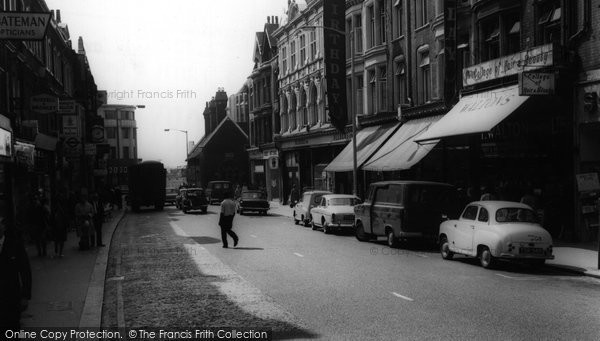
[15,278]
[97,219]
[226,220]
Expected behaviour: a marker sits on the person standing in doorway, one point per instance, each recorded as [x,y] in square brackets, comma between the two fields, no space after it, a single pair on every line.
[15,278]
[226,221]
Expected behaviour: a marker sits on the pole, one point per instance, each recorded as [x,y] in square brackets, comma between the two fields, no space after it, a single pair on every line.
[187,146]
[353,114]
[598,207]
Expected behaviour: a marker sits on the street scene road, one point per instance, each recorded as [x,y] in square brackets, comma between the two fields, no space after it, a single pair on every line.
[169,269]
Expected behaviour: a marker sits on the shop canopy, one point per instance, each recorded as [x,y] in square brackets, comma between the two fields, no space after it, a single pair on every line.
[475,114]
[368,140]
[401,151]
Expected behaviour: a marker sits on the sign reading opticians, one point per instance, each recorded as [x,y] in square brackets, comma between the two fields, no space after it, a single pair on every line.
[536,83]
[534,58]
[23,25]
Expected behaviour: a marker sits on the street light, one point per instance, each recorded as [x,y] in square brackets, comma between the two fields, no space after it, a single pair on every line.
[352,103]
[187,152]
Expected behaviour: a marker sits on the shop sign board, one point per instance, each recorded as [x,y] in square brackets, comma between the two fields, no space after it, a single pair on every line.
[70,126]
[90,149]
[531,59]
[44,104]
[334,58]
[25,154]
[5,143]
[67,107]
[23,25]
[588,182]
[536,83]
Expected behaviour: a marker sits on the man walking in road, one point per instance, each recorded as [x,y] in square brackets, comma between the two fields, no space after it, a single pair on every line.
[226,221]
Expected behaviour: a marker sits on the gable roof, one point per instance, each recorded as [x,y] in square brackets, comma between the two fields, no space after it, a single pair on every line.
[207,138]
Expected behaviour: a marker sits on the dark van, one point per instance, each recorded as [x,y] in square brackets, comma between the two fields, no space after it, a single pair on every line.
[217,191]
[403,210]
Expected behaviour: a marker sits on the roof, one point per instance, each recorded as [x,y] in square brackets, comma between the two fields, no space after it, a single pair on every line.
[496,204]
[332,196]
[206,139]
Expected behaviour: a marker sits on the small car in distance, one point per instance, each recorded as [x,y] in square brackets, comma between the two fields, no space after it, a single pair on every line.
[217,191]
[171,197]
[335,212]
[193,199]
[252,201]
[492,230]
[309,199]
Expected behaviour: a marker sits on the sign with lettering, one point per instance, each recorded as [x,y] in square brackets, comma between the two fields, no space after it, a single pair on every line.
[70,126]
[536,83]
[23,25]
[534,58]
[44,103]
[5,143]
[67,106]
[334,57]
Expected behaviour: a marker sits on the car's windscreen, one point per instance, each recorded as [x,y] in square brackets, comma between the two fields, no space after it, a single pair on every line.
[195,192]
[515,215]
[217,186]
[343,201]
[253,195]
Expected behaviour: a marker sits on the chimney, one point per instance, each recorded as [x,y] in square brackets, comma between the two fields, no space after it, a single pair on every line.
[58,16]
[268,20]
[277,20]
[52,14]
[80,47]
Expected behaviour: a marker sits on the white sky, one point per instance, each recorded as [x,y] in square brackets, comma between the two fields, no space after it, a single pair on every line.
[140,46]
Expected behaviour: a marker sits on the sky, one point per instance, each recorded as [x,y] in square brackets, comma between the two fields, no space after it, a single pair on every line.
[170,56]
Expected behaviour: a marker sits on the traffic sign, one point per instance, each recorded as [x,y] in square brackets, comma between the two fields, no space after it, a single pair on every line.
[72,142]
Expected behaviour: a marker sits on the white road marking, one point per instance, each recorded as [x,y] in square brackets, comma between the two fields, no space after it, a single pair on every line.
[521,278]
[421,255]
[237,289]
[402,297]
[299,255]
[253,236]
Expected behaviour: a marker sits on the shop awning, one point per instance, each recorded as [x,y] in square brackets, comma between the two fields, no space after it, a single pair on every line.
[368,140]
[476,114]
[401,151]
[45,142]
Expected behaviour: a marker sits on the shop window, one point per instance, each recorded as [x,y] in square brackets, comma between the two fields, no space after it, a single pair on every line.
[549,19]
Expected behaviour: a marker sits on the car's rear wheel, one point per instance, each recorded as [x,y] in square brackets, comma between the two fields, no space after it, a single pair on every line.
[486,259]
[360,233]
[445,249]
[392,240]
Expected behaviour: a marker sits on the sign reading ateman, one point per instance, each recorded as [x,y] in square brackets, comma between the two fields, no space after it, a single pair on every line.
[23,25]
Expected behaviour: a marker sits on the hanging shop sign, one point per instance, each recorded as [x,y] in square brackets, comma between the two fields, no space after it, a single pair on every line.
[334,57]
[536,83]
[67,106]
[23,25]
[97,134]
[44,104]
[534,58]
[5,143]
[25,154]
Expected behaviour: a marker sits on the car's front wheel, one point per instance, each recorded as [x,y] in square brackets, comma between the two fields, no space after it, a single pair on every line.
[486,259]
[392,240]
[313,225]
[445,249]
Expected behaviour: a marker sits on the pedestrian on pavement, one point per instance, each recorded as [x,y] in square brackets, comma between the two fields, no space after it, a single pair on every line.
[84,212]
[238,192]
[97,219]
[15,278]
[59,229]
[226,221]
[41,229]
[118,198]
[294,196]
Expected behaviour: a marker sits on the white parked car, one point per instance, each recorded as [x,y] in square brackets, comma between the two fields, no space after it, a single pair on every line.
[310,199]
[334,212]
[491,230]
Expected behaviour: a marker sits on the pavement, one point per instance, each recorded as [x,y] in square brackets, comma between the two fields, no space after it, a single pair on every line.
[69,291]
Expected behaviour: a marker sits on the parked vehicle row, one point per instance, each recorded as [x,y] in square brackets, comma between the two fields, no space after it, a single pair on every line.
[404,211]
[192,199]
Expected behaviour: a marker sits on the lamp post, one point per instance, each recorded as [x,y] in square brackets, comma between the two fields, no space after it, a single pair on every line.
[352,101]
[187,152]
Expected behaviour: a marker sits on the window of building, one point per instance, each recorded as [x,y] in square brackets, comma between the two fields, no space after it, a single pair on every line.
[358,47]
[382,88]
[110,115]
[382,22]
[421,14]
[284,60]
[113,152]
[126,153]
[400,94]
[425,69]
[349,38]
[302,49]
[513,36]
[372,93]
[313,45]
[293,55]
[125,133]
[398,19]
[111,132]
[550,14]
[360,84]
[371,32]
[490,30]
[135,134]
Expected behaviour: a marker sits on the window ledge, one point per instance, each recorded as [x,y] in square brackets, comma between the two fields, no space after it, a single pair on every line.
[418,29]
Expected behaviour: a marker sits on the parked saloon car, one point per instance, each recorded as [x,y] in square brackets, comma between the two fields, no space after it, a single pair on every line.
[496,229]
[310,199]
[171,197]
[253,201]
[402,210]
[335,212]
[193,199]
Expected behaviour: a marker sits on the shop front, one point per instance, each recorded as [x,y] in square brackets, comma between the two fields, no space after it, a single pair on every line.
[264,170]
[6,183]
